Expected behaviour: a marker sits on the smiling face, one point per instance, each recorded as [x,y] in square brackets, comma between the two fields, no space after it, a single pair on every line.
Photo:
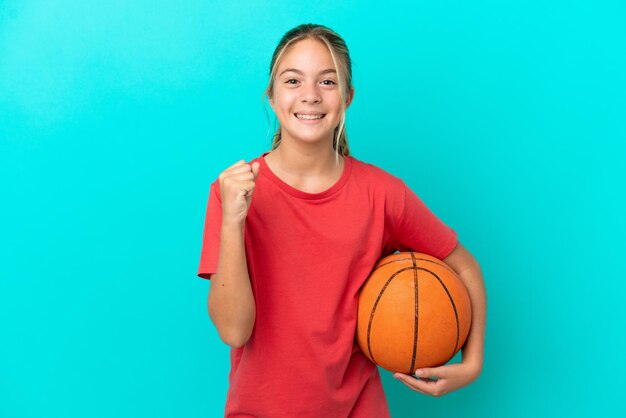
[306,96]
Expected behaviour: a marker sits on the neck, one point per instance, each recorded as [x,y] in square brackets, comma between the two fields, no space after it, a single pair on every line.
[305,159]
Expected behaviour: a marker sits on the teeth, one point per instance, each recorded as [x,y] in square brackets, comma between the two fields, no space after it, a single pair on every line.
[309,117]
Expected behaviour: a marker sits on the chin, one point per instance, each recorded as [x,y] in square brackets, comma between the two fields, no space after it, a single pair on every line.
[314,138]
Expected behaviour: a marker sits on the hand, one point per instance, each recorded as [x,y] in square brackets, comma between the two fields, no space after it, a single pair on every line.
[448,378]
[236,185]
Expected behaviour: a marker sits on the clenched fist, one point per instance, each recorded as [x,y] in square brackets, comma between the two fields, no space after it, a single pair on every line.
[236,186]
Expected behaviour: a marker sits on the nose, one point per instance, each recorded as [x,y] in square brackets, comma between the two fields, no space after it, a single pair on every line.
[311,94]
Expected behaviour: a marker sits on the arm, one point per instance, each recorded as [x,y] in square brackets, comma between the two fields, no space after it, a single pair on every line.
[451,377]
[231,301]
[470,273]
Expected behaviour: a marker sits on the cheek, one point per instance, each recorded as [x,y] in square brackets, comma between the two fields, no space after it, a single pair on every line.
[284,102]
[334,100]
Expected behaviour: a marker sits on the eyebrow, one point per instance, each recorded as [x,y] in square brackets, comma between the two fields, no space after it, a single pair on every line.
[326,71]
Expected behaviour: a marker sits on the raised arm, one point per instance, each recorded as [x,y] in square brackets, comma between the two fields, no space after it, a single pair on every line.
[231,300]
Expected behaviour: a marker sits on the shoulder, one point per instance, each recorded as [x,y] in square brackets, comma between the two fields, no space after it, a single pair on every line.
[377,176]
[383,189]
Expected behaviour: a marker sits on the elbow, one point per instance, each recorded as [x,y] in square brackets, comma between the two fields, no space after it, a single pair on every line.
[234,321]
[234,335]
[237,344]
[234,339]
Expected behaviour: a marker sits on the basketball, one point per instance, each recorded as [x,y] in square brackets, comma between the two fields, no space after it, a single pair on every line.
[413,312]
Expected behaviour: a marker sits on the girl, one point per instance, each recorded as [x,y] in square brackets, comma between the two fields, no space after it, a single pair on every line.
[290,238]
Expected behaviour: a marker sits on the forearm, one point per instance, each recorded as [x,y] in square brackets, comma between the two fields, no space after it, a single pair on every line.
[231,301]
[473,349]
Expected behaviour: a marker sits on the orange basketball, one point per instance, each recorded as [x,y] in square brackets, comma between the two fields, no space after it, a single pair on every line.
[414,311]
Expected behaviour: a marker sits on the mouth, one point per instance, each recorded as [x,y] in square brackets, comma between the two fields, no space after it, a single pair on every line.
[309,116]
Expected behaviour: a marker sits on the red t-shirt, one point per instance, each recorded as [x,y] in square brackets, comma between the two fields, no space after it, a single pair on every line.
[308,254]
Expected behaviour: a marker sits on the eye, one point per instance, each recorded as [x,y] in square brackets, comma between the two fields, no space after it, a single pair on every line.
[330,81]
[289,81]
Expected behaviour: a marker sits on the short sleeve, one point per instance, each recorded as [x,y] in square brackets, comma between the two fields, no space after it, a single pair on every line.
[418,229]
[211,237]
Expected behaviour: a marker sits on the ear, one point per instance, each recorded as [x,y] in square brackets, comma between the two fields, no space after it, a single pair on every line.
[271,99]
[350,97]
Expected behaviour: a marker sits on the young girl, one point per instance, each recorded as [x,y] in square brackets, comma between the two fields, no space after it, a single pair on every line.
[290,238]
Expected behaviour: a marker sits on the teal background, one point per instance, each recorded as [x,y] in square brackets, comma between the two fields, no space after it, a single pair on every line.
[507,118]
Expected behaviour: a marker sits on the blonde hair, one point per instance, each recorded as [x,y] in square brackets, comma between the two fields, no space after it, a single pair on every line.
[343,65]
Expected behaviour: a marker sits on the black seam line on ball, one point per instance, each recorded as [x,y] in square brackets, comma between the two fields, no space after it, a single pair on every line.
[415,329]
[442,264]
[456,315]
[380,294]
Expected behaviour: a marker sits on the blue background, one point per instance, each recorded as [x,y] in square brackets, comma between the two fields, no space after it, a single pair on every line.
[506,118]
